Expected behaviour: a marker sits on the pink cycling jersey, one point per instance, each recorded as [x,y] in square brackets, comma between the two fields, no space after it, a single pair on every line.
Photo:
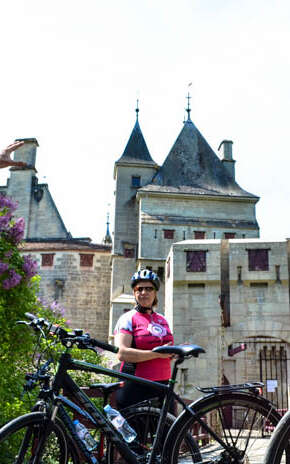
[148,331]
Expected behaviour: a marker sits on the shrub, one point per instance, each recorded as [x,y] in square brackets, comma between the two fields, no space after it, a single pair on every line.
[19,284]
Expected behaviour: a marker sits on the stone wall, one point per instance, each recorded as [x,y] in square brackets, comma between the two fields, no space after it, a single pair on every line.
[258,307]
[84,292]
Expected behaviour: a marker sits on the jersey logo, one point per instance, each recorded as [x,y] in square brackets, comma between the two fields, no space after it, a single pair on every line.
[157,330]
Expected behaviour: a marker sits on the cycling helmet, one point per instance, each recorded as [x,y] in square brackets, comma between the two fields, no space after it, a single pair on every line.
[145,274]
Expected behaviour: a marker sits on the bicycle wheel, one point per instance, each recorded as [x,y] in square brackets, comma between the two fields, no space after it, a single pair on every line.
[242,421]
[32,438]
[278,450]
[144,421]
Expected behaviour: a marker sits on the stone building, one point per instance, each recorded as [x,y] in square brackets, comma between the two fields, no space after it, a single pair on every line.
[232,298]
[194,194]
[222,287]
[74,271]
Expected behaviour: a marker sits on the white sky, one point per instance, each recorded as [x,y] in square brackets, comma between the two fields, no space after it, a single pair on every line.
[71,72]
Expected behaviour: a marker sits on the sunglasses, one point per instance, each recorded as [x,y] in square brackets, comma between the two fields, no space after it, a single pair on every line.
[147,289]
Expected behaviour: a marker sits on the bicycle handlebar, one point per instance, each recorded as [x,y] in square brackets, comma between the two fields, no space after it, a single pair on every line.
[83,341]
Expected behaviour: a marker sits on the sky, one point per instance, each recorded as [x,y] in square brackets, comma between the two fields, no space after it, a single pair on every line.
[71,72]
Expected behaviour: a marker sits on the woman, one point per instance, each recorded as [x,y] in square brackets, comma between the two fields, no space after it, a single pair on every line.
[137,332]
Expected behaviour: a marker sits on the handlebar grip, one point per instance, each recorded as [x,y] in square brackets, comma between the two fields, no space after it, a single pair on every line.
[30,316]
[105,346]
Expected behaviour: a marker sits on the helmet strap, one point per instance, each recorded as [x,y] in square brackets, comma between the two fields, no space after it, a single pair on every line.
[142,309]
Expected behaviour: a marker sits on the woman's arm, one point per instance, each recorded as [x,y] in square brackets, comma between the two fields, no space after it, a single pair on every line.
[126,353]
[5,155]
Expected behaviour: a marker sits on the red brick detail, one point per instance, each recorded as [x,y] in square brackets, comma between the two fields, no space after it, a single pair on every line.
[168,233]
[47,259]
[86,260]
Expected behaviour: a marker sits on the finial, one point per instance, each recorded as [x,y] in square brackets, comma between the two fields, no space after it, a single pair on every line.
[137,109]
[108,238]
[188,109]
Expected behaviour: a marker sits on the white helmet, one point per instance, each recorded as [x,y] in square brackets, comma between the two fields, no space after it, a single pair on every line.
[145,274]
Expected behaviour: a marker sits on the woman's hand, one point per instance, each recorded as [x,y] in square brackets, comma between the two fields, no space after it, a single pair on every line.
[135,355]
[5,155]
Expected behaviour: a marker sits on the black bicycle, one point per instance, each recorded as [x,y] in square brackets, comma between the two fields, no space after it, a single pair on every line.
[229,423]
[143,416]
[278,451]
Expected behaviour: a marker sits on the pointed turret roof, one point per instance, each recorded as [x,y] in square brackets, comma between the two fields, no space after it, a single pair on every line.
[136,150]
[192,167]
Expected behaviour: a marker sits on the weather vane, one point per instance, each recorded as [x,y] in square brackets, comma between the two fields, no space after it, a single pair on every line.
[137,108]
[188,109]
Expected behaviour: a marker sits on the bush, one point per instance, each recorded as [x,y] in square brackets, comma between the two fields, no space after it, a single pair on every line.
[18,294]
[18,286]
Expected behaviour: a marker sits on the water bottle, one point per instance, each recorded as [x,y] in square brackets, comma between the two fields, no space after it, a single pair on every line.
[85,436]
[120,423]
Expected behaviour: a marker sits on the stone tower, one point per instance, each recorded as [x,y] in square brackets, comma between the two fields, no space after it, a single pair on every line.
[193,195]
[36,205]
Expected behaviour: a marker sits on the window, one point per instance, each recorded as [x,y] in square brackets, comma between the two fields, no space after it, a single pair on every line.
[160,273]
[136,181]
[47,259]
[239,272]
[86,260]
[168,268]
[229,235]
[278,278]
[258,260]
[196,286]
[199,234]
[129,253]
[196,261]
[168,233]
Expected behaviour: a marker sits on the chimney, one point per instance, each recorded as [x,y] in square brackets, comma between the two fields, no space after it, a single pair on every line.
[226,148]
[27,153]
[22,179]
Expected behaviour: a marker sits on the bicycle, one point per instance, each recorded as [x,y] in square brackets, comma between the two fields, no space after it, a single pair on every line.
[143,416]
[278,451]
[228,441]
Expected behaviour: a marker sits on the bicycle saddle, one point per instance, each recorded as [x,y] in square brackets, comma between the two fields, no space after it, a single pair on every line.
[180,350]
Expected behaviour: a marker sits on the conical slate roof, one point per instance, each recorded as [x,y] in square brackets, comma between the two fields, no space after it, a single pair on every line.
[136,150]
[192,167]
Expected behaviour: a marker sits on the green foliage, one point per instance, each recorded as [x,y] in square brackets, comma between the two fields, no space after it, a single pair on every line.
[18,294]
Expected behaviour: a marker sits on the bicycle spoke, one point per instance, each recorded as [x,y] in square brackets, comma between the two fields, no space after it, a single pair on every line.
[239,422]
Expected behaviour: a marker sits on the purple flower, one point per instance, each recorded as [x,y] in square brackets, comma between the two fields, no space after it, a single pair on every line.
[4,222]
[55,307]
[16,233]
[8,254]
[3,267]
[12,281]
[29,266]
[7,202]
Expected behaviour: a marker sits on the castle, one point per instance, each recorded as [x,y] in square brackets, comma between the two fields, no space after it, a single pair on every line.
[189,221]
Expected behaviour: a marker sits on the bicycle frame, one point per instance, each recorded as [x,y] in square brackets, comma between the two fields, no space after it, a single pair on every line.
[63,380]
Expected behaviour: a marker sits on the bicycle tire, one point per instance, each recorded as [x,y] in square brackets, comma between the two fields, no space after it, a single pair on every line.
[278,450]
[144,421]
[22,440]
[240,419]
